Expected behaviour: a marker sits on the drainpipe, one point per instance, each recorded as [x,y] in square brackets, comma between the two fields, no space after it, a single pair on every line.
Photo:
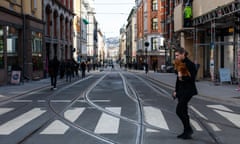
[24,41]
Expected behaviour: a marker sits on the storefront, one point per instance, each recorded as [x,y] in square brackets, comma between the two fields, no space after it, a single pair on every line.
[21,46]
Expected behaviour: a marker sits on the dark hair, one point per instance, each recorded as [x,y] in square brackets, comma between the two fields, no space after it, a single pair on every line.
[181,50]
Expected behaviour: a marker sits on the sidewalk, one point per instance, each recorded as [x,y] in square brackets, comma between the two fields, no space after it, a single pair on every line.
[11,90]
[225,93]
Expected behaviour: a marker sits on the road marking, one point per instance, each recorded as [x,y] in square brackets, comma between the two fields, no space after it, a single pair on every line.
[61,101]
[21,101]
[154,116]
[84,101]
[57,127]
[41,101]
[5,110]
[196,125]
[108,124]
[14,124]
[197,112]
[1,96]
[234,118]
[220,107]
[213,126]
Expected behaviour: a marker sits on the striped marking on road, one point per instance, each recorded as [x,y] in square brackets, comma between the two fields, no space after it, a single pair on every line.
[213,126]
[22,101]
[220,107]
[198,113]
[5,110]
[57,127]
[154,117]
[95,101]
[16,123]
[232,117]
[108,124]
[59,101]
[2,96]
[195,125]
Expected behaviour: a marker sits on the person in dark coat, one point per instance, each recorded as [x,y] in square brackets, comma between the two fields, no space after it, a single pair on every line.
[185,88]
[68,68]
[146,68]
[83,68]
[53,67]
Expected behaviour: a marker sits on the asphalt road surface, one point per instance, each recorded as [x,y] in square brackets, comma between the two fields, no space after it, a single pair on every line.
[113,107]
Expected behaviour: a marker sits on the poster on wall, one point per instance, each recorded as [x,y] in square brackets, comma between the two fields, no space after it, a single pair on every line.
[15,77]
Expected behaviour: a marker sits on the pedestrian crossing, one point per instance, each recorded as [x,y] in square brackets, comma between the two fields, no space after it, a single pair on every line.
[107,124]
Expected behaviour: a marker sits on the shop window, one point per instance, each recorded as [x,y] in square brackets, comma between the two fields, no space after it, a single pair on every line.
[37,59]
[12,45]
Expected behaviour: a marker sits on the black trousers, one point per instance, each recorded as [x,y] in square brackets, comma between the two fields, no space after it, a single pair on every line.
[54,81]
[182,111]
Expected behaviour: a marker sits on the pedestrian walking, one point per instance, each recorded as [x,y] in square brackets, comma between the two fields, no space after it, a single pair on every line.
[53,67]
[68,68]
[185,88]
[83,68]
[62,69]
[146,68]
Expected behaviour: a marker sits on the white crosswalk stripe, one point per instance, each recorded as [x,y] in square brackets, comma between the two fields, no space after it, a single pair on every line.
[5,110]
[195,124]
[108,124]
[226,113]
[14,124]
[57,127]
[213,126]
[234,118]
[220,107]
[154,116]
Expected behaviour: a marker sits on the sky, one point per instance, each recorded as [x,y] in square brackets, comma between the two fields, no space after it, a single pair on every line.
[112,15]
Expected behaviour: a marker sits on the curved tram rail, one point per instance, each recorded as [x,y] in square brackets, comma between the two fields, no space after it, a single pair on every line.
[157,85]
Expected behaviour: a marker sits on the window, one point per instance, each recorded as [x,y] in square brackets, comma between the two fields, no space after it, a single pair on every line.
[12,40]
[154,43]
[36,42]
[155,24]
[37,51]
[154,5]
[34,5]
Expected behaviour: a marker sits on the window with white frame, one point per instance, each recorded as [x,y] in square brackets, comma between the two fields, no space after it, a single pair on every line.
[154,43]
[155,24]
[154,5]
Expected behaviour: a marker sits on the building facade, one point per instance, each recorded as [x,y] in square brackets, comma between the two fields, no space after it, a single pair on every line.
[122,46]
[101,46]
[58,18]
[212,38]
[151,29]
[21,39]
[131,38]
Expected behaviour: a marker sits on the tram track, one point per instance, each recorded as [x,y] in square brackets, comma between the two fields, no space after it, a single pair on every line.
[131,92]
[155,84]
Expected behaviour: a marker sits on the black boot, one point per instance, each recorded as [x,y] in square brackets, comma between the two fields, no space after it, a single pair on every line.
[187,134]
